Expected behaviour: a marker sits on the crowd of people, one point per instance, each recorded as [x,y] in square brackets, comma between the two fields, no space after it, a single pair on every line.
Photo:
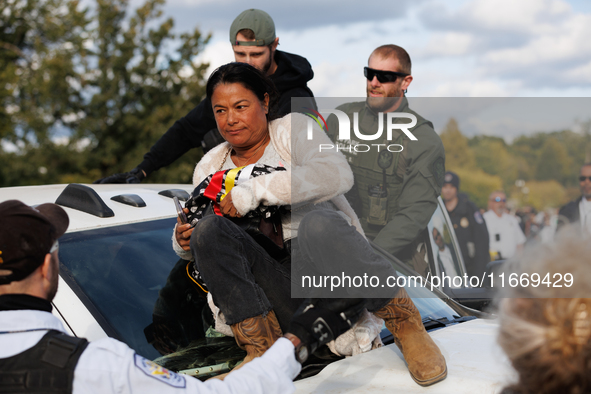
[498,233]
[545,331]
[318,208]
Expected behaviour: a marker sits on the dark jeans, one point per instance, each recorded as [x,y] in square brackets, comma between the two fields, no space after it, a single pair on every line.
[328,246]
[243,279]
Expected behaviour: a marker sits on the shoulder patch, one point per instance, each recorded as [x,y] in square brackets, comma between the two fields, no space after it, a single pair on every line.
[478,217]
[385,159]
[157,372]
[438,170]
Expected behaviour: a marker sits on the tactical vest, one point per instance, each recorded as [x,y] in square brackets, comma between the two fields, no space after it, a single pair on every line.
[379,175]
[48,367]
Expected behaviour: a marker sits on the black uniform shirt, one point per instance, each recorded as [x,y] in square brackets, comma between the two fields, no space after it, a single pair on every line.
[472,235]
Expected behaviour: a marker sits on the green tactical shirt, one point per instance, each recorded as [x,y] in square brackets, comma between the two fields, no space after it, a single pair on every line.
[413,177]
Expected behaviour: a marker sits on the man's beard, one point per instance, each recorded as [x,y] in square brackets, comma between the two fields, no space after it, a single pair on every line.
[267,65]
[382,104]
[54,280]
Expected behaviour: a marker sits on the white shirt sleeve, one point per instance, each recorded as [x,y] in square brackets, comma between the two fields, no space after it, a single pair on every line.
[519,235]
[110,366]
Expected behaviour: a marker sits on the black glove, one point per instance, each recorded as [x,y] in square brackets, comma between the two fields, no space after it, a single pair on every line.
[320,320]
[134,176]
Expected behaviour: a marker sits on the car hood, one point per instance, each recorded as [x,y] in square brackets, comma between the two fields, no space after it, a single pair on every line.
[476,364]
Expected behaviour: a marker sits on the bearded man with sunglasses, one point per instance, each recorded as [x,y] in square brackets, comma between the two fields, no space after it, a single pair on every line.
[396,189]
[397,182]
[579,210]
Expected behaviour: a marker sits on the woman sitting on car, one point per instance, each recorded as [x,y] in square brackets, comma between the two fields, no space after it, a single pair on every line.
[251,288]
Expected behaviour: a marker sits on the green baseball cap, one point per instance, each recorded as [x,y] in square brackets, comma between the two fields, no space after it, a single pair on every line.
[259,22]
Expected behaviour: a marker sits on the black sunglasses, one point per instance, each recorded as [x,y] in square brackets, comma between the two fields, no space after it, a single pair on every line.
[582,178]
[383,76]
[498,199]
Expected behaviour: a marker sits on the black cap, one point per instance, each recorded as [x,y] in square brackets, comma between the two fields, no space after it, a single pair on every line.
[452,178]
[26,236]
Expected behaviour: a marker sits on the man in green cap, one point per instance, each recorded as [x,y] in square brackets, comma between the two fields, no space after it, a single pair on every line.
[397,180]
[253,39]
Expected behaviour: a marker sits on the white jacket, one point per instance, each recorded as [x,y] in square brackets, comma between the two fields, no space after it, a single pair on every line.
[314,175]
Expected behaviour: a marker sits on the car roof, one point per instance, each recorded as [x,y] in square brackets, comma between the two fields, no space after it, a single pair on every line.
[157,206]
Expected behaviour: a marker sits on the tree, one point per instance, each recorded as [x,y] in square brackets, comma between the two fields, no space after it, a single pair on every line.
[144,90]
[478,185]
[457,152]
[493,157]
[111,84]
[553,162]
[541,194]
[39,44]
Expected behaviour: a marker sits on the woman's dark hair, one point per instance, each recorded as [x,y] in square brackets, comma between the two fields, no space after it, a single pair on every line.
[250,78]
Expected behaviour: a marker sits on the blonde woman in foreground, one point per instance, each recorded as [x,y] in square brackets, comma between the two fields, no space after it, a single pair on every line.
[545,330]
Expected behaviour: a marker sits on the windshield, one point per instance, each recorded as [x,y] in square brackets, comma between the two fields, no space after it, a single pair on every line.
[120,270]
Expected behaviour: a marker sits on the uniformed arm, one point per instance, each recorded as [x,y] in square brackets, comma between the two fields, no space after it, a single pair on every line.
[109,366]
[272,373]
[481,239]
[421,187]
[186,133]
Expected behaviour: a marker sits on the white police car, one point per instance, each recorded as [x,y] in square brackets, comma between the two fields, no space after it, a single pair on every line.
[116,257]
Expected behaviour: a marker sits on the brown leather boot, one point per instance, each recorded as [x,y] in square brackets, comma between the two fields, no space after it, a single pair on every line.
[255,335]
[425,362]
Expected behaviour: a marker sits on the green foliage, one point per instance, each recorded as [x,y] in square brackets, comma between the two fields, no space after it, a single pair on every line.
[39,42]
[541,194]
[549,164]
[553,162]
[494,158]
[457,152]
[110,82]
[478,185]
[49,165]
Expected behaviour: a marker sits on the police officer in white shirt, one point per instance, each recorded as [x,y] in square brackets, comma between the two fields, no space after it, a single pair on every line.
[579,210]
[505,234]
[36,356]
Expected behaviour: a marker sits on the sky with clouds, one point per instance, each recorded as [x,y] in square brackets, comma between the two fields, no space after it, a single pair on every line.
[459,48]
